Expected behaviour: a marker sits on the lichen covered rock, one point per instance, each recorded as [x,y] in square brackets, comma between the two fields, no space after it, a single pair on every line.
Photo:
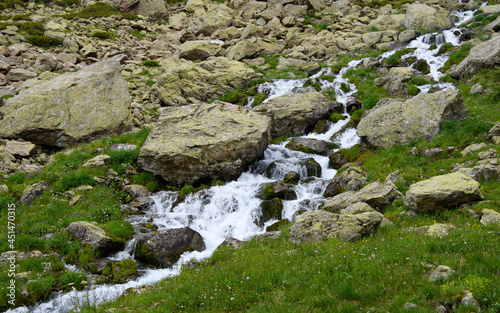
[321,225]
[295,113]
[95,236]
[71,108]
[442,192]
[392,122]
[204,141]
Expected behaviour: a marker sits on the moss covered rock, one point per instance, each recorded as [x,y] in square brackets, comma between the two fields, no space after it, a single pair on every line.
[442,192]
[484,55]
[308,145]
[71,108]
[203,141]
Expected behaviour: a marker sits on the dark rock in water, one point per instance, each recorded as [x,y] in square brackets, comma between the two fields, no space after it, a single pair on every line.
[142,203]
[291,178]
[307,145]
[423,67]
[164,248]
[352,177]
[95,236]
[468,34]
[353,105]
[309,166]
[276,190]
[271,209]
[276,226]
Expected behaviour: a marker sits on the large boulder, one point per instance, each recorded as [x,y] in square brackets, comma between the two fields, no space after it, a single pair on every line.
[254,47]
[442,192]
[203,141]
[296,113]
[206,80]
[377,195]
[217,17]
[392,122]
[484,55]
[349,177]
[165,247]
[95,236]
[320,225]
[19,148]
[199,49]
[423,16]
[484,170]
[71,108]
[147,8]
[308,145]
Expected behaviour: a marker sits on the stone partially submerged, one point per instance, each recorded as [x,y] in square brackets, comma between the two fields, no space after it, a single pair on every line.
[71,108]
[320,225]
[442,192]
[204,141]
[392,122]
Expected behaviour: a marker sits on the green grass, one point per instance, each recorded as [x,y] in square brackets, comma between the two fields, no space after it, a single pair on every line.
[382,272]
[456,56]
[150,63]
[395,58]
[119,229]
[368,93]
[103,35]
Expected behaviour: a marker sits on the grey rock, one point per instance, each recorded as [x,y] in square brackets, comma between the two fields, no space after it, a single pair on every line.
[34,191]
[94,236]
[20,74]
[165,247]
[308,146]
[490,217]
[441,272]
[484,55]
[20,148]
[102,160]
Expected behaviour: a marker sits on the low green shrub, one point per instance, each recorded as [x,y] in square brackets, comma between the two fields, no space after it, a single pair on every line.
[97,10]
[123,270]
[119,229]
[40,289]
[103,35]
[72,180]
[150,63]
[72,280]
[44,41]
[412,90]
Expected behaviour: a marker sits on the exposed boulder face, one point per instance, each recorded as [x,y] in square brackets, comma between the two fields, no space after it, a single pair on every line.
[387,21]
[442,192]
[357,208]
[34,191]
[484,55]
[217,17]
[490,217]
[164,248]
[19,148]
[485,170]
[203,141]
[295,113]
[183,83]
[376,195]
[146,8]
[98,161]
[199,49]
[95,236]
[71,108]
[423,16]
[254,47]
[320,225]
[137,191]
[392,122]
[308,146]
[350,177]
[441,272]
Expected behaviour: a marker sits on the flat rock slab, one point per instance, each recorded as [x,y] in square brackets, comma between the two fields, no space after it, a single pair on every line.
[204,141]
[442,192]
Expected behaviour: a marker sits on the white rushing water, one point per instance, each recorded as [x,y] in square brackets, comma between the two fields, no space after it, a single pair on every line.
[233,210]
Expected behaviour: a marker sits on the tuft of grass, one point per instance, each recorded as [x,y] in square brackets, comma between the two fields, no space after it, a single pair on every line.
[71,280]
[457,56]
[119,229]
[103,35]
[44,41]
[98,10]
[72,180]
[150,63]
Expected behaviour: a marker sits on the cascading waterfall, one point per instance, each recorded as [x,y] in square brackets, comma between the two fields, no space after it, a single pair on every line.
[233,210]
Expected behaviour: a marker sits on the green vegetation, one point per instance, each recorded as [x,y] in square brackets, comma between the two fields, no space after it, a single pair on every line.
[150,63]
[137,35]
[380,3]
[119,229]
[395,59]
[368,93]
[412,90]
[457,55]
[103,35]
[99,9]
[71,280]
